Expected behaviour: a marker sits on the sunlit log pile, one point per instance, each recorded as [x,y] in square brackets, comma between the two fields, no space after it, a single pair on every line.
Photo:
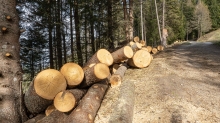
[74,93]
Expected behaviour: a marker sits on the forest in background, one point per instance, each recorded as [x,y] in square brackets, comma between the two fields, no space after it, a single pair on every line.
[61,31]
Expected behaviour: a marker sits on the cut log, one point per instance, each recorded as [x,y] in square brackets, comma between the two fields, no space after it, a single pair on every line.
[95,74]
[33,102]
[140,59]
[54,117]
[136,46]
[116,78]
[114,68]
[35,119]
[144,48]
[124,108]
[151,57]
[122,54]
[73,73]
[136,39]
[101,56]
[49,109]
[86,111]
[142,42]
[154,50]
[131,43]
[149,49]
[48,83]
[67,100]
[160,47]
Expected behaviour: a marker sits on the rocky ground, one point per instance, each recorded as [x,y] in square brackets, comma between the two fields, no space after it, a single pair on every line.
[181,85]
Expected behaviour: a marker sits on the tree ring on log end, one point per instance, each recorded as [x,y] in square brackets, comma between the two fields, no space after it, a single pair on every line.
[104,56]
[73,73]
[48,83]
[128,51]
[64,101]
[101,70]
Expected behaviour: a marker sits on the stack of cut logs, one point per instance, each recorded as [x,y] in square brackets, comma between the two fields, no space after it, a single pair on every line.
[74,94]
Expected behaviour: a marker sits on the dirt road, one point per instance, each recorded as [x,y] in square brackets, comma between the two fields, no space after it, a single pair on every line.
[181,85]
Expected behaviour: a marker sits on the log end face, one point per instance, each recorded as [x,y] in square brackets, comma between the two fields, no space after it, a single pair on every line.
[105,57]
[101,71]
[48,83]
[73,73]
[64,101]
[128,52]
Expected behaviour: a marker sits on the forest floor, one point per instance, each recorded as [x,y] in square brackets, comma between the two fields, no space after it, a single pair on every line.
[181,85]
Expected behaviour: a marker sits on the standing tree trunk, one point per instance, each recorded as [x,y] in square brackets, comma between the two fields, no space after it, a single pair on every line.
[50,27]
[158,23]
[71,31]
[142,25]
[110,36]
[131,20]
[77,29]
[11,102]
[58,35]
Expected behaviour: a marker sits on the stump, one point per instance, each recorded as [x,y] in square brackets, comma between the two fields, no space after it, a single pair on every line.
[73,73]
[101,56]
[141,59]
[122,54]
[95,74]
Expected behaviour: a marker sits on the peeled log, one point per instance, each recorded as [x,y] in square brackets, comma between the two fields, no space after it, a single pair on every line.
[86,111]
[116,78]
[95,74]
[48,83]
[122,54]
[73,73]
[67,100]
[101,56]
[154,50]
[141,59]
[33,102]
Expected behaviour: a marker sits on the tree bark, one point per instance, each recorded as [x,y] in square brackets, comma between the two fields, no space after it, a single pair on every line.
[33,102]
[122,54]
[123,111]
[86,111]
[35,119]
[158,21]
[11,97]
